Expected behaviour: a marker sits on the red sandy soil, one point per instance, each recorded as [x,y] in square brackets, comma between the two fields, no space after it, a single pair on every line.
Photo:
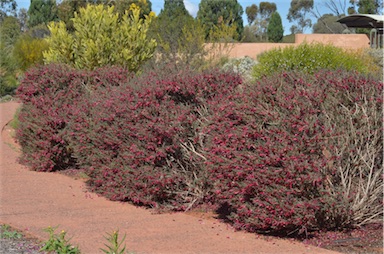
[32,201]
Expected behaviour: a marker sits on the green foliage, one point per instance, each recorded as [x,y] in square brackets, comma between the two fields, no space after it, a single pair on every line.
[15,121]
[214,13]
[121,6]
[10,31]
[8,83]
[289,38]
[100,39]
[308,58]
[68,8]
[66,11]
[266,9]
[180,38]
[275,28]
[114,245]
[327,24]
[260,24]
[222,32]
[220,45]
[41,12]
[58,243]
[369,6]
[39,32]
[251,12]
[298,11]
[6,232]
[29,51]
[249,35]
[174,8]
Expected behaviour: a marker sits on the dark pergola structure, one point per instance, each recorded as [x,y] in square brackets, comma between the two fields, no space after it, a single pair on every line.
[373,22]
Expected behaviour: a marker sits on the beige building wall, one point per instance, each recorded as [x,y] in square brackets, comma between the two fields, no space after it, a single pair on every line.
[347,41]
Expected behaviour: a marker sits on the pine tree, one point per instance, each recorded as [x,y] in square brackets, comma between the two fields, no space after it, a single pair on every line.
[275,28]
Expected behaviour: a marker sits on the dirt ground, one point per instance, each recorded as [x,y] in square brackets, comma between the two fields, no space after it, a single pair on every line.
[32,201]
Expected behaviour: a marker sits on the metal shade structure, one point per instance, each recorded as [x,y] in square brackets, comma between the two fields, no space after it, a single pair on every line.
[371,21]
[363,21]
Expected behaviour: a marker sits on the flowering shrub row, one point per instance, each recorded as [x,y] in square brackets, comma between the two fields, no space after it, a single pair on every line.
[50,95]
[276,155]
[135,142]
[284,156]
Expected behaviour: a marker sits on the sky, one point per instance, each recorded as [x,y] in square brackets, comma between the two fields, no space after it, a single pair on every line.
[193,6]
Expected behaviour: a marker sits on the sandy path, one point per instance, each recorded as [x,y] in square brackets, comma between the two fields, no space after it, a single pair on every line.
[32,201]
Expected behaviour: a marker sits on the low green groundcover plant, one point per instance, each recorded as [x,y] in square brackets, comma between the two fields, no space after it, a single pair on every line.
[288,153]
[6,232]
[311,58]
[58,243]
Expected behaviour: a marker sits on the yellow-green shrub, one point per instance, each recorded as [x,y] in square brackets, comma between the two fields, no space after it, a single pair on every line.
[101,39]
[311,58]
[29,51]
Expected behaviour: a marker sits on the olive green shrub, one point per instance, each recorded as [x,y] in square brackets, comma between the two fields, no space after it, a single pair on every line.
[9,71]
[101,39]
[310,58]
[28,51]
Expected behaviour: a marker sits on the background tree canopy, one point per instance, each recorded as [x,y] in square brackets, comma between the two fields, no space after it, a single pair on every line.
[42,12]
[213,13]
[327,24]
[275,28]
[298,12]
[251,12]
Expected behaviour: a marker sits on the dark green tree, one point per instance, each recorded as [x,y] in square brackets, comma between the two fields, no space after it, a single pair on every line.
[168,26]
[251,12]
[298,12]
[213,13]
[174,9]
[41,12]
[275,28]
[180,38]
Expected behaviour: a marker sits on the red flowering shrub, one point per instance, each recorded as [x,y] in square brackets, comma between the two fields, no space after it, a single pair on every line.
[272,154]
[293,152]
[136,141]
[49,95]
